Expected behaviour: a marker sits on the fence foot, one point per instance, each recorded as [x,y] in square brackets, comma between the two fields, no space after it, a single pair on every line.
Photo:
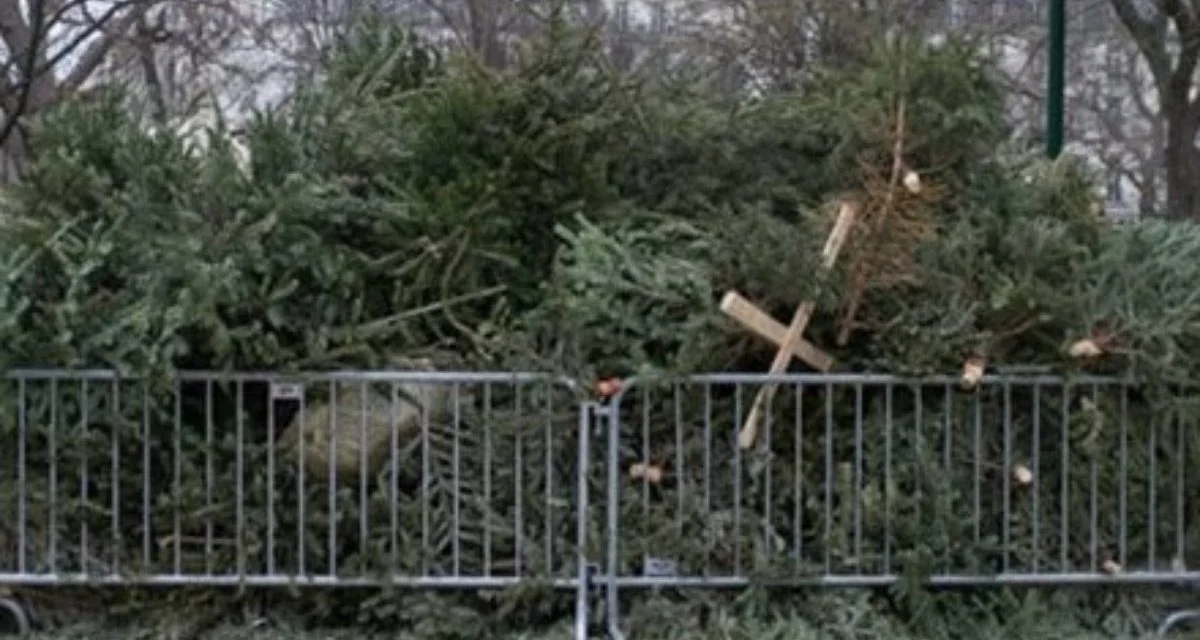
[19,622]
[1177,618]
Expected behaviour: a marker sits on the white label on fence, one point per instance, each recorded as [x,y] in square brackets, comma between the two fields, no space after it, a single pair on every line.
[287,391]
[659,567]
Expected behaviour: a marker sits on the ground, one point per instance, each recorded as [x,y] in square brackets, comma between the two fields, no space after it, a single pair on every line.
[1034,614]
[719,627]
[780,631]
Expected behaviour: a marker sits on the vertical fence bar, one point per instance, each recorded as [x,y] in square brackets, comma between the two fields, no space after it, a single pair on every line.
[52,507]
[612,521]
[888,496]
[736,451]
[798,488]
[1006,474]
[114,410]
[22,497]
[269,551]
[331,480]
[1036,462]
[393,480]
[84,497]
[302,462]
[456,479]
[487,474]
[583,521]
[364,505]
[239,479]
[210,475]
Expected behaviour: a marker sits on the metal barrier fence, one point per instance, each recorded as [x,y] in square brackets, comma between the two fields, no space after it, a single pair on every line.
[868,480]
[420,480]
[488,480]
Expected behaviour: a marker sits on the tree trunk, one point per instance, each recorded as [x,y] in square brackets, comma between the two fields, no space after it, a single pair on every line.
[1182,162]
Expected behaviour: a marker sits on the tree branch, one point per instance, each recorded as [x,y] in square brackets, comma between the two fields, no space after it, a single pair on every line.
[1185,20]
[1180,83]
[32,44]
[91,57]
[1150,38]
[94,55]
[35,85]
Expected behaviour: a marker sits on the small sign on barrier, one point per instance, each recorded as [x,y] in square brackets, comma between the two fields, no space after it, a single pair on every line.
[287,391]
[659,567]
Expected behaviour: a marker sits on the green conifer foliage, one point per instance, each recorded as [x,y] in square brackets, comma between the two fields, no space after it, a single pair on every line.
[561,216]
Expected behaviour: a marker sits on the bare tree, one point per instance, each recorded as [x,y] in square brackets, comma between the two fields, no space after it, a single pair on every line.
[302,31]
[1113,120]
[51,48]
[217,54]
[491,28]
[774,45]
[1167,34]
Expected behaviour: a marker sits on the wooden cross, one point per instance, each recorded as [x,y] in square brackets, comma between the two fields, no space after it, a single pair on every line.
[789,339]
[764,326]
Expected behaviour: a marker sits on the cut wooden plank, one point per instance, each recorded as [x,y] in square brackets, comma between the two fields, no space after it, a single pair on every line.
[764,326]
[847,212]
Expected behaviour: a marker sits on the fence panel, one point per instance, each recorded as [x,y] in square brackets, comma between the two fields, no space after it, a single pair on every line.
[866,480]
[350,479]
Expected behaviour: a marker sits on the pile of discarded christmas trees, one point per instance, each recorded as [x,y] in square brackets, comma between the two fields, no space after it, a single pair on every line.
[872,222]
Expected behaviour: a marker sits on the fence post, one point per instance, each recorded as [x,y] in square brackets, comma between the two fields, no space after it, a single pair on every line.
[609,415]
[592,414]
[583,521]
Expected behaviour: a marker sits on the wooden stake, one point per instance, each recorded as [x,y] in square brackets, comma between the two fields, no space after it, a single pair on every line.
[833,246]
[764,326]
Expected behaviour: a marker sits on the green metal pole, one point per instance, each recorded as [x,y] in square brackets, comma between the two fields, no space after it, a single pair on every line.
[1056,78]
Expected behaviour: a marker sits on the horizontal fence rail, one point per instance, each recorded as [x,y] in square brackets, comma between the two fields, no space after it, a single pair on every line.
[353,479]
